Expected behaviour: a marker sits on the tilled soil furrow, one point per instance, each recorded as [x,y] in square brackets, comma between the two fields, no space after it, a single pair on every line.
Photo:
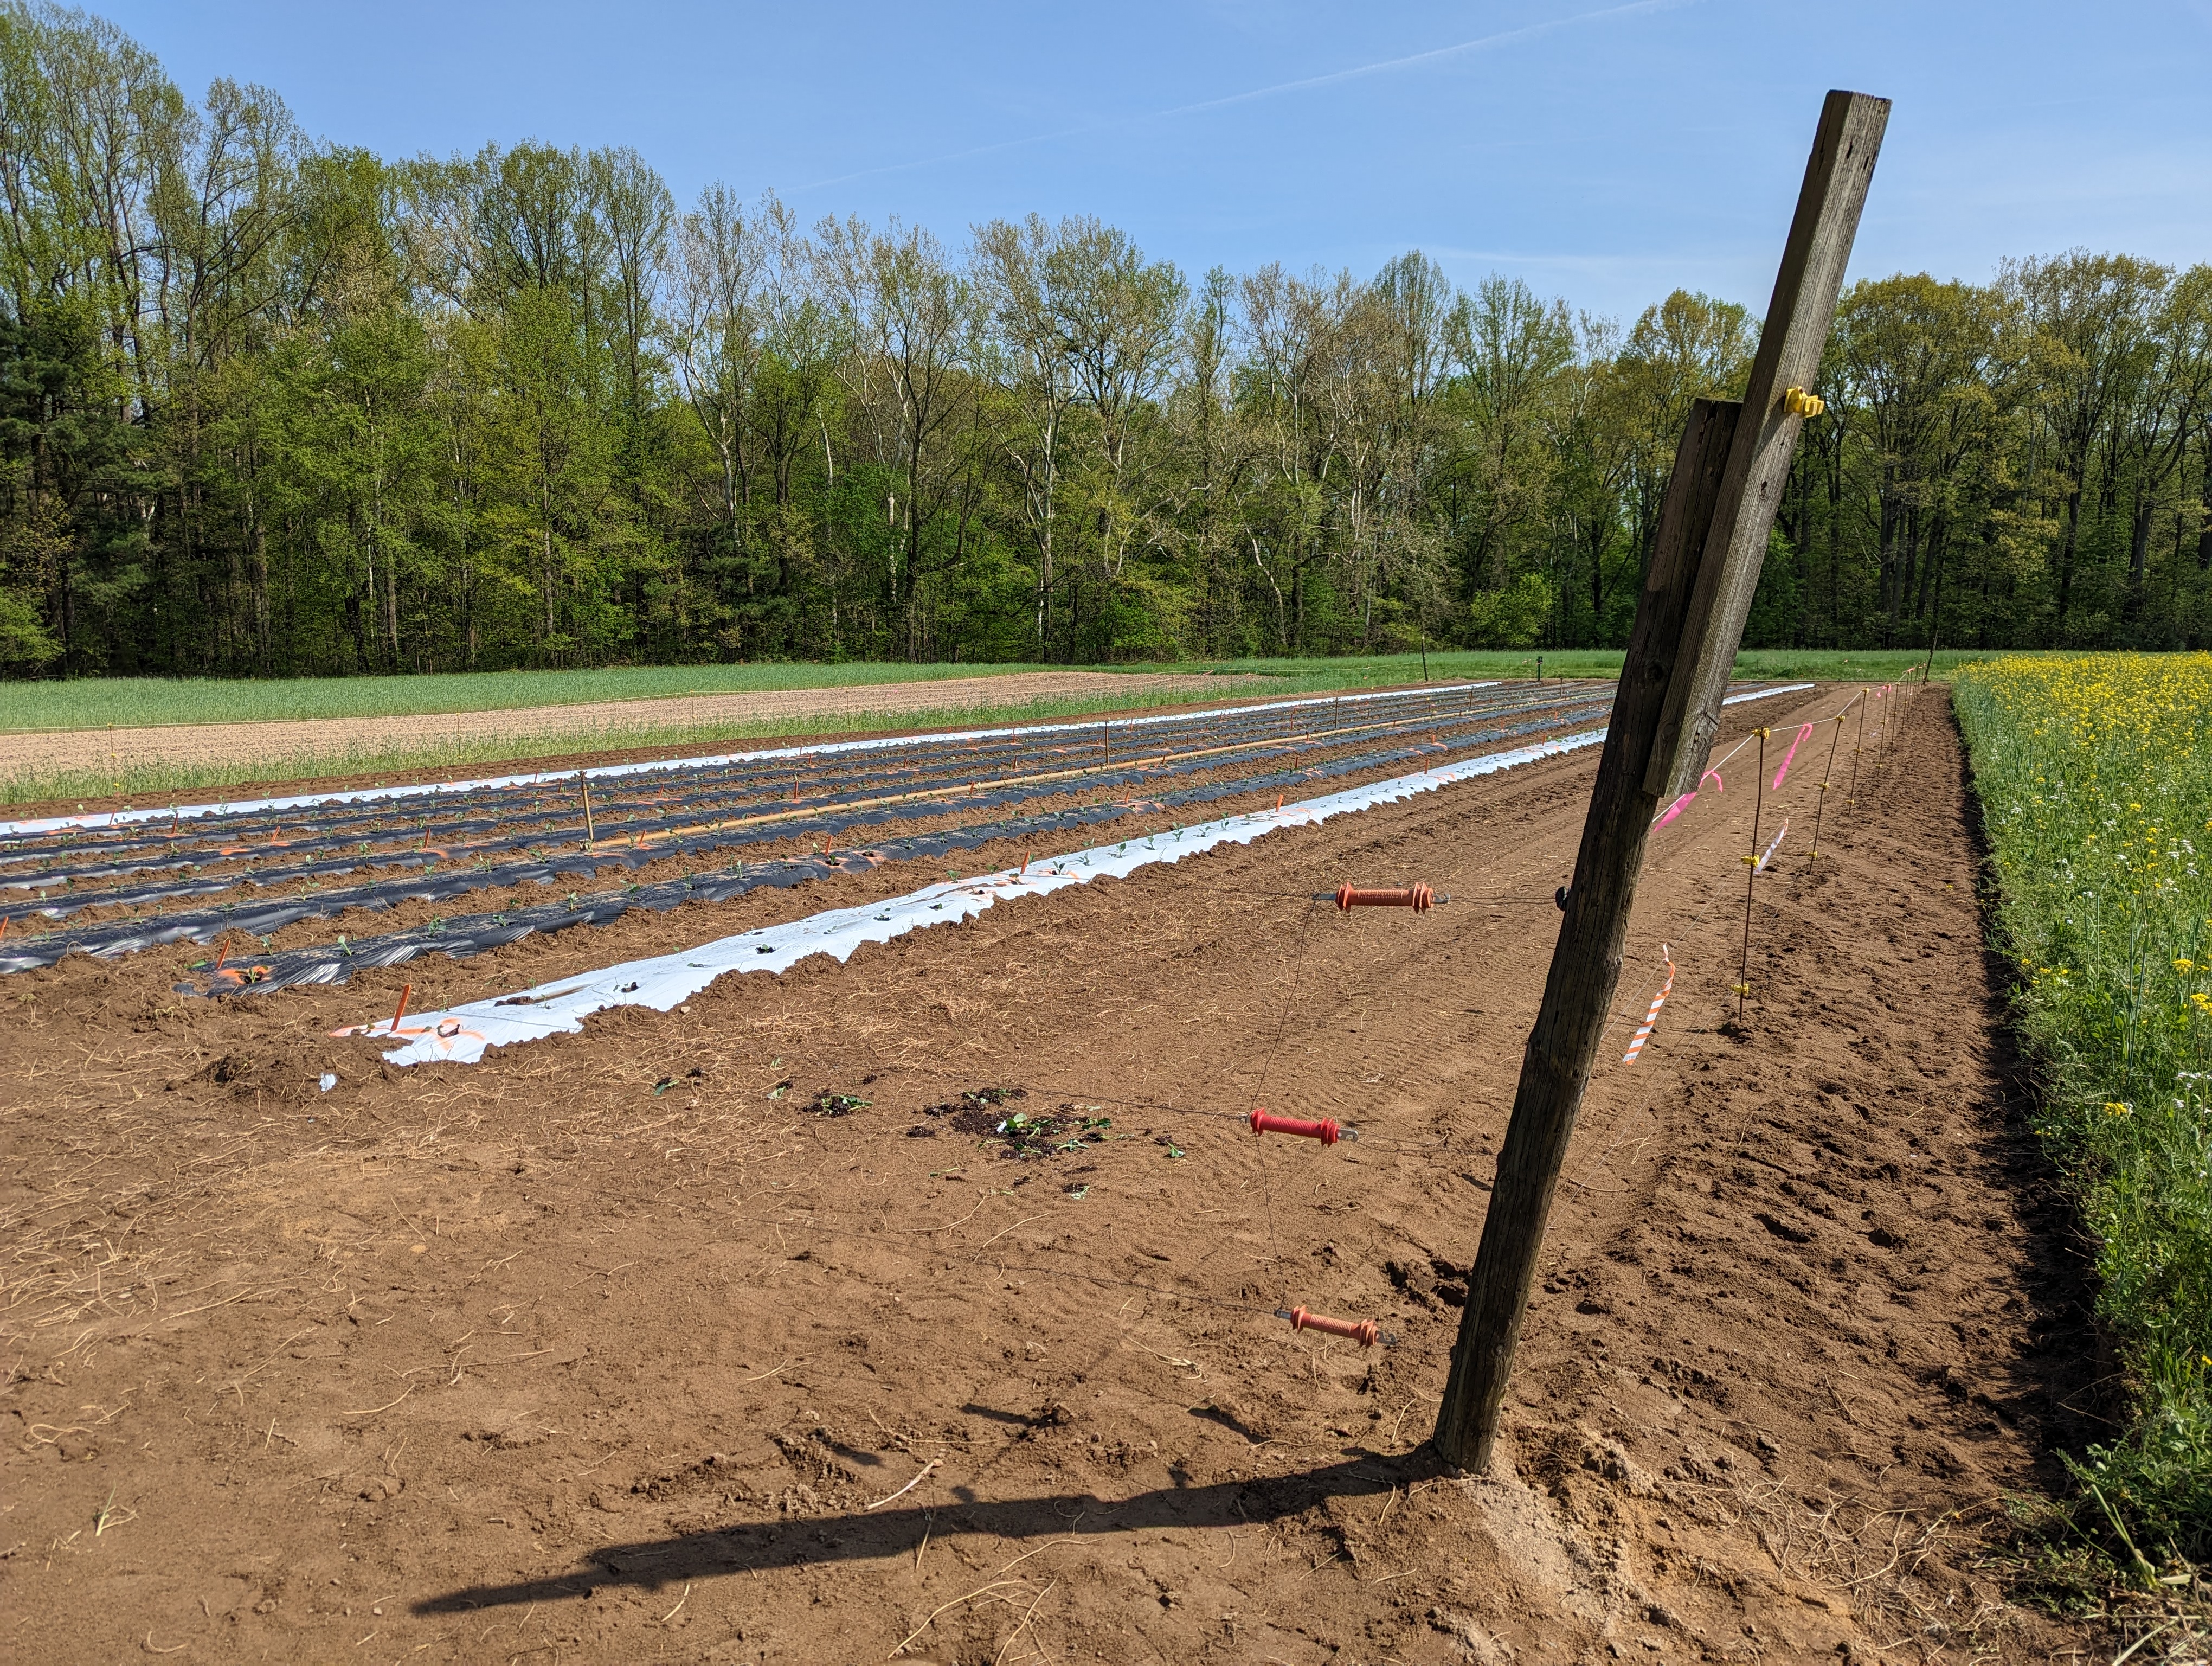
[626,1344]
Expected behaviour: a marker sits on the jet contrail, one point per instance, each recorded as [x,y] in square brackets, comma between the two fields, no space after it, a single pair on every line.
[1506,38]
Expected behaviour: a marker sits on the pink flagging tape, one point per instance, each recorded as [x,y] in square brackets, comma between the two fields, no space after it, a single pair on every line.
[1790,754]
[1771,848]
[1636,1042]
[1713,772]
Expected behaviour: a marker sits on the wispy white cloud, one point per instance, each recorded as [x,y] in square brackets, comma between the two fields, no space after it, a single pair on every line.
[1305,84]
[1574,263]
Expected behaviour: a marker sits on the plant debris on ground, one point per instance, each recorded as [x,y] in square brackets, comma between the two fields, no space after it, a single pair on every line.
[1021,1134]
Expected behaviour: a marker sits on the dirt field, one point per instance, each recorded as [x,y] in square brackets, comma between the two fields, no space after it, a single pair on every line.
[248,743]
[617,1348]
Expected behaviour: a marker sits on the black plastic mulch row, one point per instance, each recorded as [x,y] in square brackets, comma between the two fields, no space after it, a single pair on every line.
[569,820]
[76,901]
[337,825]
[112,939]
[464,936]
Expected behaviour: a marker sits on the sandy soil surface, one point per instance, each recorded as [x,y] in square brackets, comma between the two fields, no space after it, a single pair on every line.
[246,744]
[621,1346]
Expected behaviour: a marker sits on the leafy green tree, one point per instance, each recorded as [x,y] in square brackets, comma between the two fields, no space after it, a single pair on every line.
[269,406]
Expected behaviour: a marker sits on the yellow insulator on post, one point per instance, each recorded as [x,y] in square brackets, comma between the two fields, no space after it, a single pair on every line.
[1798,403]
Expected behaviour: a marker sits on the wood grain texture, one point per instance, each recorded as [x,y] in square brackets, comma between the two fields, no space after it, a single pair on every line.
[1795,333]
[1719,509]
[1562,1047]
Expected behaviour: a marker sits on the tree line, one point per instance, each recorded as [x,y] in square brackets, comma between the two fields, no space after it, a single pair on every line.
[273,407]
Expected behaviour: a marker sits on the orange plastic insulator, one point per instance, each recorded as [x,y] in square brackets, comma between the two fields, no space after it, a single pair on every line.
[1362,1331]
[1416,897]
[1266,1122]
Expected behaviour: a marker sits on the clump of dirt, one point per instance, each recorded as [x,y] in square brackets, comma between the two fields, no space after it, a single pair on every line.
[285,1073]
[828,1103]
[1437,1282]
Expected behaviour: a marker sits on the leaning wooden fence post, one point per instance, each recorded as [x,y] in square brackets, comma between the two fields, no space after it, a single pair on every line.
[1713,527]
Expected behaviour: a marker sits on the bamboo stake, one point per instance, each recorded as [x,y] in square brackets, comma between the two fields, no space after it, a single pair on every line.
[1751,879]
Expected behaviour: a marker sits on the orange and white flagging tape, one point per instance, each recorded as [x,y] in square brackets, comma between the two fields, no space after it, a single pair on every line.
[1636,1042]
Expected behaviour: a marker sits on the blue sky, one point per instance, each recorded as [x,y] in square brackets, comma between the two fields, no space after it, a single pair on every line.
[1605,153]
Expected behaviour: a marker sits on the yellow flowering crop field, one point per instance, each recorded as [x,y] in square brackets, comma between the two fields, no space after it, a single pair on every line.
[2094,775]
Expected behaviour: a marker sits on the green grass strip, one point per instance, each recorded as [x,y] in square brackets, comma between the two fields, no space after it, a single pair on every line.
[2094,775]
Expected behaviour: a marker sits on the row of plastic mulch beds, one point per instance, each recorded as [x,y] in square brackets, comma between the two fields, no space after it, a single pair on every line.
[71,870]
[444,848]
[482,818]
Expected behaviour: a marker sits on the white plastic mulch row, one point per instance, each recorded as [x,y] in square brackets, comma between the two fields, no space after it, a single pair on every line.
[461,1034]
[608,771]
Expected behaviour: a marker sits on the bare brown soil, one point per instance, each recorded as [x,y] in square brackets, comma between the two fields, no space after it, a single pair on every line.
[643,1345]
[252,745]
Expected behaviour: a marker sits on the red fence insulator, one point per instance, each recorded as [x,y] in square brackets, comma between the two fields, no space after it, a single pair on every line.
[1416,897]
[1362,1331]
[1325,1130]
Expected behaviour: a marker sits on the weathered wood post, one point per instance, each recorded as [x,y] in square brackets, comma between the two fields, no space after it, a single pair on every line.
[1713,527]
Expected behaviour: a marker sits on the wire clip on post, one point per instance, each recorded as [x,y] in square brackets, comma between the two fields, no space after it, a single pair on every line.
[1419,898]
[1362,1331]
[1326,1130]
[1798,403]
